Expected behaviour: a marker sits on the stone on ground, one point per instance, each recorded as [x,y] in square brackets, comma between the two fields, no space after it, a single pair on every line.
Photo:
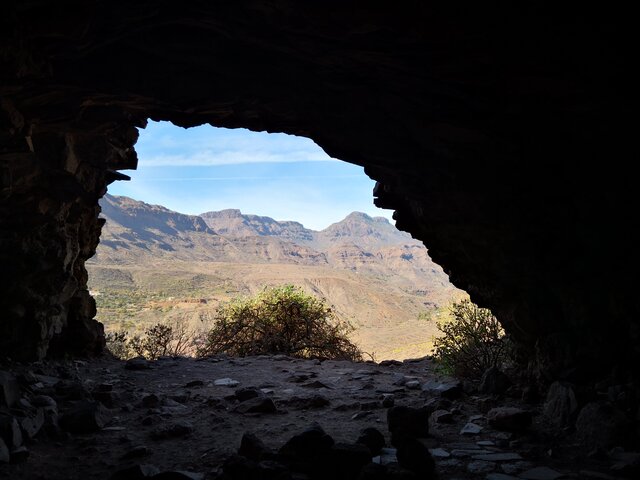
[561,405]
[257,405]
[509,419]
[541,473]
[471,429]
[84,417]
[407,422]
[373,439]
[494,381]
[603,425]
[9,389]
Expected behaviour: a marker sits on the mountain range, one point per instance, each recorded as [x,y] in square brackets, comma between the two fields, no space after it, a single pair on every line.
[373,274]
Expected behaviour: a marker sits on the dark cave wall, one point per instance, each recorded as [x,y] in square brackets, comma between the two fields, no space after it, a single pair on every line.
[500,136]
[51,183]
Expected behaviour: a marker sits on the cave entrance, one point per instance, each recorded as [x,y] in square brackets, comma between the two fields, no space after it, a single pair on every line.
[214,214]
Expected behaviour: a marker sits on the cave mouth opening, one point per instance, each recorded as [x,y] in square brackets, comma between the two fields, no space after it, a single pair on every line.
[201,224]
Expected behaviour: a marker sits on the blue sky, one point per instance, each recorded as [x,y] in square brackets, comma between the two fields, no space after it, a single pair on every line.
[281,176]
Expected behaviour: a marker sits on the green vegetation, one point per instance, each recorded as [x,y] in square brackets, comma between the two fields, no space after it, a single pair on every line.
[473,341]
[279,320]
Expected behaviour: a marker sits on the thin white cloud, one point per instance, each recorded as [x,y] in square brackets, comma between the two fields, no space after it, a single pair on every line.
[261,177]
[211,159]
[160,146]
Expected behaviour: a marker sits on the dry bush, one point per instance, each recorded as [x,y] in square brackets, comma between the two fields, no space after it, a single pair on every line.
[159,340]
[473,341]
[279,320]
[118,344]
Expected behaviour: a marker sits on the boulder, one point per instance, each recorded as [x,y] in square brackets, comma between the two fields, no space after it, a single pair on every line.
[238,467]
[442,416]
[84,417]
[494,381]
[4,452]
[450,388]
[415,456]
[388,400]
[345,460]
[373,439]
[9,389]
[407,422]
[257,405]
[150,401]
[603,425]
[244,394]
[10,431]
[32,422]
[138,363]
[252,447]
[561,405]
[509,419]
[308,445]
[19,455]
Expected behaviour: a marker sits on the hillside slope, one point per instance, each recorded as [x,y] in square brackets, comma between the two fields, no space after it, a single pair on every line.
[155,264]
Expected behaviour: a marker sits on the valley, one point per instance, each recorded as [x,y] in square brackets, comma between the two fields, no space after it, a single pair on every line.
[154,265]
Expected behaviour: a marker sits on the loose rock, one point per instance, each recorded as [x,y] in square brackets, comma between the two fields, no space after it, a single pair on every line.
[471,429]
[603,425]
[561,405]
[414,456]
[172,430]
[84,417]
[4,452]
[138,363]
[32,422]
[509,419]
[494,381]
[345,460]
[252,447]
[450,389]
[308,444]
[19,455]
[257,405]
[407,422]
[226,382]
[247,393]
[441,416]
[373,439]
[480,466]
[9,389]
[10,431]
[541,473]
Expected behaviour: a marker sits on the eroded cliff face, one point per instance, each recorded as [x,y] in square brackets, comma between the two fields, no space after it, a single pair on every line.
[501,138]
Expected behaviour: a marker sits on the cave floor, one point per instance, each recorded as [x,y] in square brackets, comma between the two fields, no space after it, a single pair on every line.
[173,415]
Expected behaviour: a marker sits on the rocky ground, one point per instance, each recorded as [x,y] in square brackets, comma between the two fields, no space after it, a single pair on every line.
[186,419]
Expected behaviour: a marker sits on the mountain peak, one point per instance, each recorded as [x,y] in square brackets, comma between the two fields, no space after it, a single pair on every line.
[226,213]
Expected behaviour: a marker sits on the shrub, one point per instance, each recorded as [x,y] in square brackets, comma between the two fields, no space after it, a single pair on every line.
[473,341]
[118,344]
[156,341]
[279,320]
